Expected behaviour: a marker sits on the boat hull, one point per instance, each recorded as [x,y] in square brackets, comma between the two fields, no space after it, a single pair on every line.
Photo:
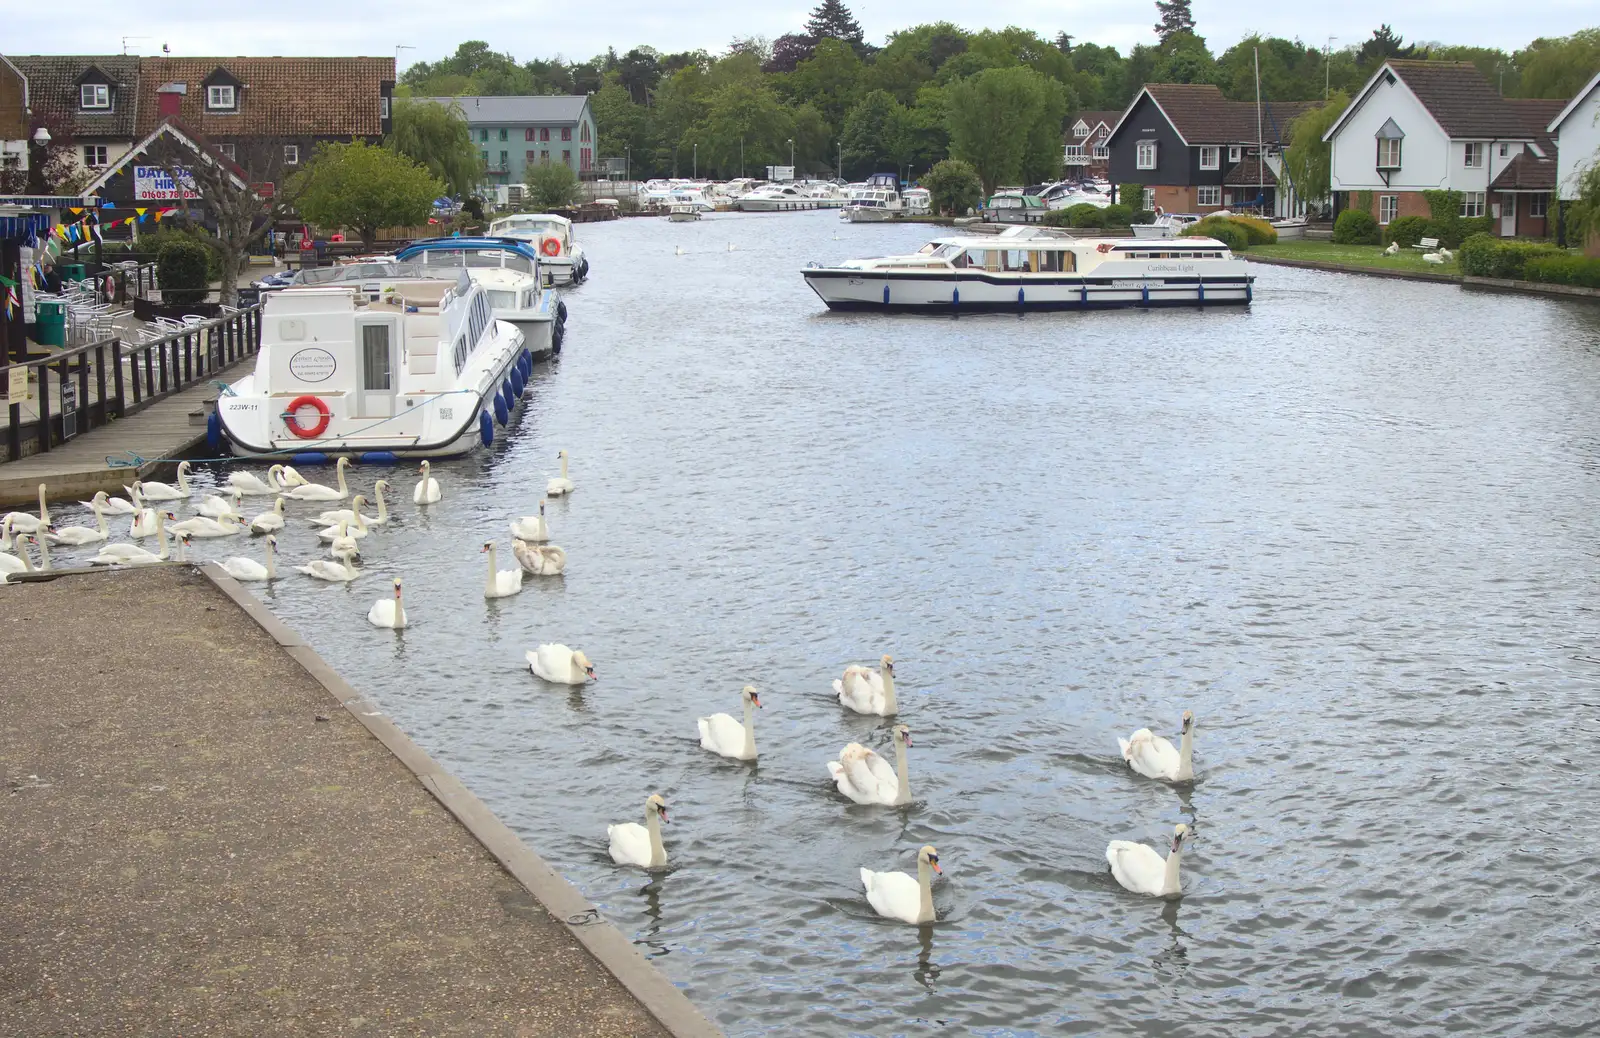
[865,290]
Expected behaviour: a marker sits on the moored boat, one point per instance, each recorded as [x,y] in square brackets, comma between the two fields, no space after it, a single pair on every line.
[508,269]
[560,255]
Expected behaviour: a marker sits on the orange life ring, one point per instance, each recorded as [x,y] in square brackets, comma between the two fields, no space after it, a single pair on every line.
[291,417]
[550,247]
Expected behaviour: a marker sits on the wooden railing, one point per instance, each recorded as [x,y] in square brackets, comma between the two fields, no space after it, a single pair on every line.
[110,379]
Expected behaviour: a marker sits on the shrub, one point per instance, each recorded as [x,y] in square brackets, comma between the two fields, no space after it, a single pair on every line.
[1408,230]
[1356,227]
[1222,229]
[1260,231]
[1131,195]
[1490,257]
[1056,218]
[551,185]
[182,265]
[1117,215]
[1475,254]
[1085,215]
[1563,270]
[150,243]
[1466,228]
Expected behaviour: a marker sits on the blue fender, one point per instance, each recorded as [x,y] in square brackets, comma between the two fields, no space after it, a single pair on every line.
[485,428]
[516,382]
[561,311]
[500,412]
[1020,299]
[214,434]
[955,296]
[886,295]
[507,390]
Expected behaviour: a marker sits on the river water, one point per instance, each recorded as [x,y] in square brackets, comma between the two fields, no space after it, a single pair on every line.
[1354,528]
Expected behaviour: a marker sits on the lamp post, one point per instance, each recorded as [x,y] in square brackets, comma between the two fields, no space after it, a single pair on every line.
[741,158]
[841,160]
[791,158]
[36,152]
[696,160]
[627,163]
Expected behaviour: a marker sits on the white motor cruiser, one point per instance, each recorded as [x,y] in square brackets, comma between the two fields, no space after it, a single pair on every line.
[560,255]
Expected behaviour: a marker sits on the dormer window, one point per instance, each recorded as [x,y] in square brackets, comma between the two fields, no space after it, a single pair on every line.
[1080,130]
[221,98]
[94,95]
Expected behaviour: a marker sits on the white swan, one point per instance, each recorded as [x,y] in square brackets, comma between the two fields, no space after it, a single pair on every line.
[1394,247]
[44,549]
[318,492]
[427,490]
[342,545]
[144,520]
[269,521]
[721,734]
[560,664]
[895,895]
[166,491]
[241,568]
[332,516]
[254,485]
[18,563]
[217,507]
[542,560]
[1153,757]
[1141,870]
[868,691]
[388,612]
[336,572]
[5,533]
[560,485]
[132,554]
[635,844]
[864,777]
[206,527]
[288,477]
[500,583]
[78,535]
[358,531]
[531,527]
[22,522]
[115,505]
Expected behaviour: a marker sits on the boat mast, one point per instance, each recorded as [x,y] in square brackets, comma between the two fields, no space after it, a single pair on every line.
[1261,150]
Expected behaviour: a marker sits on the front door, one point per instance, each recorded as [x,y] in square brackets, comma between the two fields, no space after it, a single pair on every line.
[376,349]
[1508,216]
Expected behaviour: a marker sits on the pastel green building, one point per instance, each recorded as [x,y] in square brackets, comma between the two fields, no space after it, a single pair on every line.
[513,133]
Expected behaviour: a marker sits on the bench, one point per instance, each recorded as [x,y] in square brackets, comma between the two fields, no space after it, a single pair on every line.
[1427,244]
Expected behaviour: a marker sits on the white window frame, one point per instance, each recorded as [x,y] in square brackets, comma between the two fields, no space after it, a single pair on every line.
[99,160]
[1388,209]
[1235,152]
[215,95]
[1101,151]
[1145,155]
[291,154]
[1205,191]
[94,96]
[1472,155]
[1392,146]
[1080,131]
[227,150]
[1472,204]
[383,107]
[1538,205]
[1210,157]
[1075,151]
[1147,200]
[1505,149]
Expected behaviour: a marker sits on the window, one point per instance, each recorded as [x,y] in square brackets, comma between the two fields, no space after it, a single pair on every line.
[483,136]
[1235,153]
[529,157]
[544,157]
[1145,158]
[502,133]
[583,132]
[1080,130]
[94,156]
[1388,208]
[505,160]
[1102,152]
[1389,152]
[527,134]
[585,158]
[1471,203]
[291,154]
[1474,155]
[219,97]
[544,133]
[566,133]
[1210,158]
[383,108]
[1208,194]
[1074,151]
[227,151]
[375,374]
[1148,201]
[484,156]
[566,157]
[94,95]
[1504,150]
[1537,205]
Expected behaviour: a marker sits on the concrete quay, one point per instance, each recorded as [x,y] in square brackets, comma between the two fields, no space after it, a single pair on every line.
[205,831]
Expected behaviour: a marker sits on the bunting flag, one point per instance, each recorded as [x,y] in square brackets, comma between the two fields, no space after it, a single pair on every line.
[74,210]
[94,229]
[140,212]
[12,299]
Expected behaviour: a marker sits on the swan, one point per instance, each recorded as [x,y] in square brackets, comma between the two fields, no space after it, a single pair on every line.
[341,527]
[332,516]
[1446,255]
[635,844]
[560,664]
[288,477]
[144,520]
[318,492]
[241,568]
[217,507]
[343,545]
[114,505]
[677,250]
[132,554]
[864,777]
[43,545]
[531,527]
[895,895]
[560,485]
[542,560]
[254,485]
[82,534]
[868,691]
[166,491]
[388,612]
[1432,257]
[500,583]
[1142,870]
[1153,757]
[1394,248]
[22,522]
[206,527]
[18,563]
[721,734]
[269,521]
[337,572]
[427,491]
[5,534]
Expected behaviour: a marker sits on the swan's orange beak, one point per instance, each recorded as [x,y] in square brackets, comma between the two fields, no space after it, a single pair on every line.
[662,811]
[755,699]
[935,863]
[590,671]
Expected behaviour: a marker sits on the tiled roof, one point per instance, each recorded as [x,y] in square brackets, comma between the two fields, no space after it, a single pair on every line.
[1536,112]
[1247,173]
[1461,99]
[1527,172]
[281,97]
[53,91]
[1200,113]
[548,109]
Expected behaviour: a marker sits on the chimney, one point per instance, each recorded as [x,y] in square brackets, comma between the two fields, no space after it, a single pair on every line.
[169,99]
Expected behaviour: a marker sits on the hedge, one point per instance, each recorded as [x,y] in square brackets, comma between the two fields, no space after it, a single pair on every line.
[1118,215]
[1221,228]
[1261,232]
[183,268]
[1485,256]
[1563,270]
[1356,227]
[1408,230]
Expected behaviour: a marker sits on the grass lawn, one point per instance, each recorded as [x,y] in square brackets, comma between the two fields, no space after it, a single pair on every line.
[1354,256]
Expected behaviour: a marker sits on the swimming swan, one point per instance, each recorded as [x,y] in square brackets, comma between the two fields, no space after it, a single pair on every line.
[334,572]
[531,527]
[254,485]
[542,560]
[352,515]
[82,534]
[216,507]
[132,554]
[724,736]
[560,485]
[895,895]
[868,691]
[22,522]
[388,612]
[205,527]
[269,521]
[166,491]
[427,490]
[635,844]
[318,492]
[560,664]
[864,777]
[240,568]
[1140,869]
[500,583]
[333,516]
[1153,757]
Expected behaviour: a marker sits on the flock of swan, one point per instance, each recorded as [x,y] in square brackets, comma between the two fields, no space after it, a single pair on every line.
[860,774]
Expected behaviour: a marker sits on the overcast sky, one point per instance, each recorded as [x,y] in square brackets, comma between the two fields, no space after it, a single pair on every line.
[579,30]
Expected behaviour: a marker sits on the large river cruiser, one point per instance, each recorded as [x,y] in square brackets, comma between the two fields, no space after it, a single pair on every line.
[1028,268]
[560,255]
[508,269]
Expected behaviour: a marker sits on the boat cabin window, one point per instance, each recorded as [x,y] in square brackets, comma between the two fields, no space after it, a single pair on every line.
[478,319]
[502,300]
[949,252]
[1057,262]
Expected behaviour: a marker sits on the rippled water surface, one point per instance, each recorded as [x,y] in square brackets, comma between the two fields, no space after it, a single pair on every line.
[1354,529]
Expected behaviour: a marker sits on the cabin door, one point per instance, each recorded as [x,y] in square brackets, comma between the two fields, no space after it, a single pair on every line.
[377,359]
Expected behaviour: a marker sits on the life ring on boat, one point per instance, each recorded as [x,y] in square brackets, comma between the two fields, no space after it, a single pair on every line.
[1104,246]
[550,247]
[292,420]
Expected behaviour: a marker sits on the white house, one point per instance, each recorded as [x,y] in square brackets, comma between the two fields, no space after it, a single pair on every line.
[1577,132]
[1440,126]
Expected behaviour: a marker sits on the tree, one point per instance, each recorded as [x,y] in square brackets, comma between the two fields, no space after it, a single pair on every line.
[436,136]
[788,52]
[745,123]
[876,134]
[619,122]
[551,185]
[832,20]
[1176,17]
[1385,44]
[1006,123]
[1186,60]
[954,186]
[830,80]
[1309,160]
[365,187]
[1558,68]
[639,71]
